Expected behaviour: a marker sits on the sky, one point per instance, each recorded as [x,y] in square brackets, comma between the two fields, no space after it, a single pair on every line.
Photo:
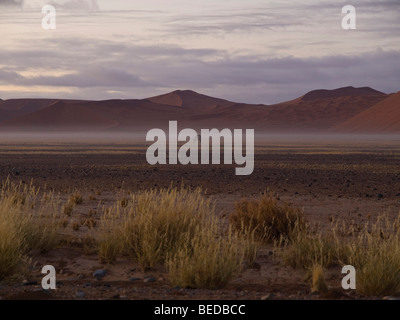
[245,51]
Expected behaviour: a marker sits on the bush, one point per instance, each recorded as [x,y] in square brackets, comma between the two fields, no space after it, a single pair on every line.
[269,221]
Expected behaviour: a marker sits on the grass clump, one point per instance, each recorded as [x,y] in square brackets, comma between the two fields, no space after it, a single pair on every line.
[153,224]
[376,256]
[176,228]
[11,247]
[27,222]
[374,251]
[76,198]
[206,262]
[318,284]
[269,220]
[68,208]
[305,249]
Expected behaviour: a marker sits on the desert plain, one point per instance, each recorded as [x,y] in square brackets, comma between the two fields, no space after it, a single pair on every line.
[331,178]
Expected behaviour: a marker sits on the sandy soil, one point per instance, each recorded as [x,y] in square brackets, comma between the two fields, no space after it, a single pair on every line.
[349,181]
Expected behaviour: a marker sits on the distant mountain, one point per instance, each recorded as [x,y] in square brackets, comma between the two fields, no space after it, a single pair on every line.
[383,117]
[316,111]
[340,92]
[14,108]
[189,99]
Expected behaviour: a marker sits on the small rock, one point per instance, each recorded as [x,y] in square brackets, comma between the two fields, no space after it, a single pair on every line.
[267,296]
[379,195]
[149,279]
[134,279]
[101,273]
[80,294]
[398,195]
[391,298]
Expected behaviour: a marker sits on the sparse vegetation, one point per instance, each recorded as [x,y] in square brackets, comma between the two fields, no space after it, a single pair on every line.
[373,250]
[68,208]
[124,202]
[156,223]
[76,198]
[27,222]
[176,227]
[76,226]
[269,220]
[206,262]
[318,284]
[89,222]
[376,256]
[306,249]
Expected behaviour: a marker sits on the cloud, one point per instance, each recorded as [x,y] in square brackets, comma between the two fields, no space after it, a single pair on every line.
[12,3]
[86,5]
[104,69]
[246,51]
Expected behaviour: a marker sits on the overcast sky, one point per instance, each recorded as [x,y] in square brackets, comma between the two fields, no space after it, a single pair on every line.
[246,51]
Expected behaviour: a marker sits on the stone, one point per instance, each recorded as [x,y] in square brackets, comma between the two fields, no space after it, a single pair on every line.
[267,296]
[391,298]
[99,274]
[134,279]
[149,279]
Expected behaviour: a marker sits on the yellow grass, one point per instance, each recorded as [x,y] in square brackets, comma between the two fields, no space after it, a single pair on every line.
[178,228]
[27,222]
[374,252]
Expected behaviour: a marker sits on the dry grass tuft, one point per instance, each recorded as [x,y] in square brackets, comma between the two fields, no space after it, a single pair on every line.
[175,227]
[76,198]
[318,284]
[267,218]
[27,222]
[374,251]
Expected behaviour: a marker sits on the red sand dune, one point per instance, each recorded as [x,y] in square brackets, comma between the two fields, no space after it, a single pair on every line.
[340,92]
[62,115]
[316,111]
[189,99]
[384,117]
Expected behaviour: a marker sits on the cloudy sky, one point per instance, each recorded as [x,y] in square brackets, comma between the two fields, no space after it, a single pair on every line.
[246,51]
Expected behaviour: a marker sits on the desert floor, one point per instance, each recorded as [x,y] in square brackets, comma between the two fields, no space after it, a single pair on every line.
[350,180]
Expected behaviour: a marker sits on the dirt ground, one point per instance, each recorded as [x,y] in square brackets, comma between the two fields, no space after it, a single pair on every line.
[351,181]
